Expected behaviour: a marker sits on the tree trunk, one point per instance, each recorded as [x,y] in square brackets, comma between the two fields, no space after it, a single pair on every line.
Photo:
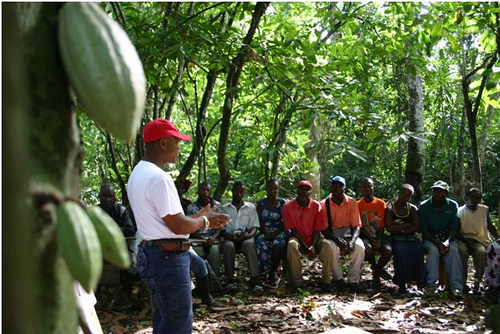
[415,161]
[488,121]
[200,129]
[314,175]
[232,80]
[20,312]
[53,163]
[459,179]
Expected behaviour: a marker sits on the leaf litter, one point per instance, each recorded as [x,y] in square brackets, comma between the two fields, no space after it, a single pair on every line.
[277,311]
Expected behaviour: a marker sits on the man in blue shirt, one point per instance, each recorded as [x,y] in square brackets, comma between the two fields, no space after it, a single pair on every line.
[439,223]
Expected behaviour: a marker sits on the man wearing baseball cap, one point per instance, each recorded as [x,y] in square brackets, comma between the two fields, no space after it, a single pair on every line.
[438,217]
[303,217]
[342,224]
[163,257]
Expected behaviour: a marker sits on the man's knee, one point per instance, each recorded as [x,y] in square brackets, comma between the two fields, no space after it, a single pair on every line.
[228,247]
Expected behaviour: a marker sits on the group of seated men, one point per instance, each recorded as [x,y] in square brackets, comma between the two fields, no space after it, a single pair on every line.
[276,231]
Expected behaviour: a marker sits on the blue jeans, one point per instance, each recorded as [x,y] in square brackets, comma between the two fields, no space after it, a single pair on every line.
[167,276]
[198,265]
[452,265]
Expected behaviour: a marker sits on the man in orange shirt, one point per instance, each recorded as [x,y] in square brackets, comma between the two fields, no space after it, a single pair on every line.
[342,224]
[372,210]
[303,217]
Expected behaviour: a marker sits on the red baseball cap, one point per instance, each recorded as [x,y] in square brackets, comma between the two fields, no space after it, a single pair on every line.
[161,128]
[305,183]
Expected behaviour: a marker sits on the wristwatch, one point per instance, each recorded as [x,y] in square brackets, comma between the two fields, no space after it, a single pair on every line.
[207,222]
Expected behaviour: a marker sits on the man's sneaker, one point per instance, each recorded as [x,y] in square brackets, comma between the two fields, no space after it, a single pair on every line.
[274,284]
[231,287]
[456,293]
[257,288]
[476,289]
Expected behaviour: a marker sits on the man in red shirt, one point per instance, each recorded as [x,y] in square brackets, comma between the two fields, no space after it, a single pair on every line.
[303,217]
[342,224]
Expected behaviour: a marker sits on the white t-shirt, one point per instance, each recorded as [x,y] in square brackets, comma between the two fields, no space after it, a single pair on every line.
[152,195]
[474,224]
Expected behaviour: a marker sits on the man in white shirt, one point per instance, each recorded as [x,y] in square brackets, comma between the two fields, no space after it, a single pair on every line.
[239,237]
[475,223]
[163,257]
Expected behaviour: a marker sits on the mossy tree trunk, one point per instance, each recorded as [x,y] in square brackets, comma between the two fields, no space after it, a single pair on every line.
[43,169]
[415,161]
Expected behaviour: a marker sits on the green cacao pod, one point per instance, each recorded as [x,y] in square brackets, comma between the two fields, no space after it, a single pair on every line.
[103,68]
[113,243]
[79,244]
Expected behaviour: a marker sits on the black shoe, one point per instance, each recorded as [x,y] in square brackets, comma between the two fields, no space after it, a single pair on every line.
[376,282]
[354,287]
[339,285]
[325,287]
[385,275]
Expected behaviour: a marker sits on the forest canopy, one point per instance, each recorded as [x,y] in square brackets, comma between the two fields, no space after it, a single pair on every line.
[294,90]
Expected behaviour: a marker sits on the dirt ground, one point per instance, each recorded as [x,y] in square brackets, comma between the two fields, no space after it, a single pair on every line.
[310,311]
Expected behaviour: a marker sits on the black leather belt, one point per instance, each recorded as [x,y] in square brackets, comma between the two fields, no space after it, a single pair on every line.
[170,245]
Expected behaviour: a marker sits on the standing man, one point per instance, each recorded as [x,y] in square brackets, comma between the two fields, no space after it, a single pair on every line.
[120,214]
[239,237]
[302,216]
[372,211]
[439,223]
[343,223]
[163,257]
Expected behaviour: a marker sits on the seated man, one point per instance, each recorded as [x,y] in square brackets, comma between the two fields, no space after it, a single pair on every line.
[439,223]
[473,238]
[121,216]
[208,244]
[372,211]
[239,237]
[182,185]
[302,216]
[201,270]
[342,224]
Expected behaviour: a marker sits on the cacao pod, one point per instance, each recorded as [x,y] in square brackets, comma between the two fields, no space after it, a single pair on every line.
[79,244]
[113,243]
[103,68]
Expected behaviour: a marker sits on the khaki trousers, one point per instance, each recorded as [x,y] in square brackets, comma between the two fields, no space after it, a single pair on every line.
[478,253]
[357,257]
[294,256]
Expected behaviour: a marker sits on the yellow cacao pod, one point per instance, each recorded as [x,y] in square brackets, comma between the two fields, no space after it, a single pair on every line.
[113,243]
[79,244]
[103,68]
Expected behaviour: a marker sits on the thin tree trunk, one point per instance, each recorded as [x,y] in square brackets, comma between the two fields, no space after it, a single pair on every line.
[459,181]
[232,81]
[200,130]
[488,121]
[415,161]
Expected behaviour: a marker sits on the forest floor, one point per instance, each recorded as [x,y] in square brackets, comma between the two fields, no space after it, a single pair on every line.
[310,311]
